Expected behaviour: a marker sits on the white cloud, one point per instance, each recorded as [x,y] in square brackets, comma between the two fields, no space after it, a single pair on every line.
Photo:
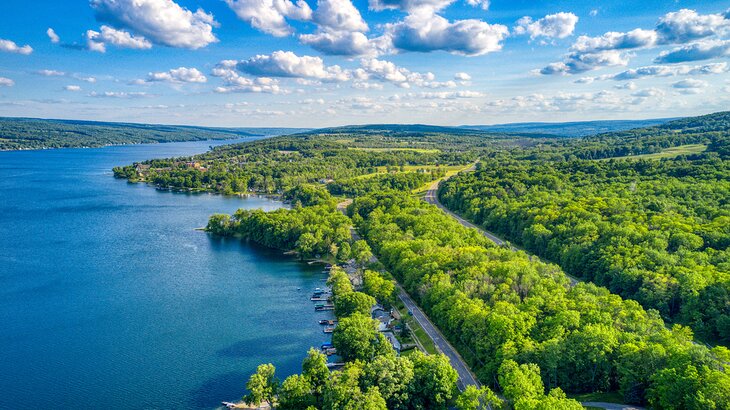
[10,47]
[626,86]
[339,43]
[178,75]
[686,25]
[593,13]
[234,82]
[410,5]
[118,94]
[74,88]
[648,92]
[50,73]
[425,31]
[667,71]
[690,83]
[462,77]
[482,4]
[701,50]
[386,71]
[287,64]
[588,53]
[580,63]
[97,41]
[6,82]
[270,16]
[559,25]
[55,39]
[161,21]
[339,15]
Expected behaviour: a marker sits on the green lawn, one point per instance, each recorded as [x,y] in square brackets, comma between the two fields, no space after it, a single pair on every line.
[667,153]
[418,332]
[610,397]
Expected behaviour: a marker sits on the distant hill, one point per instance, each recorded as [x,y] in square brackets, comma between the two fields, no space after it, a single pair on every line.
[569,129]
[429,129]
[34,133]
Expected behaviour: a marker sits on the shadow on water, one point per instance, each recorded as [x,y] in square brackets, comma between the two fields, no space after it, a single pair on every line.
[213,391]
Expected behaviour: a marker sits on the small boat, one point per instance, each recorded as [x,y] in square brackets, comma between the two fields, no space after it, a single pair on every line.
[323,308]
[326,346]
[331,351]
[327,322]
[329,329]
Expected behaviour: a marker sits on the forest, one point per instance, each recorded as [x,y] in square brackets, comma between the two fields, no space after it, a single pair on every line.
[34,133]
[649,237]
[657,232]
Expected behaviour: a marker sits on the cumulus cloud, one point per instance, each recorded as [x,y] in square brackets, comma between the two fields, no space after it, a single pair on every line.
[340,30]
[659,71]
[9,46]
[178,75]
[287,64]
[648,92]
[482,4]
[424,31]
[410,5]
[342,43]
[74,88]
[161,21]
[234,82]
[55,39]
[580,63]
[462,77]
[270,16]
[6,82]
[559,25]
[386,71]
[701,50]
[686,25]
[690,83]
[589,53]
[97,41]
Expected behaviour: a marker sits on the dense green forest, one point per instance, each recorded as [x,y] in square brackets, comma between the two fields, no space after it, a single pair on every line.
[654,231]
[651,234]
[499,307]
[33,133]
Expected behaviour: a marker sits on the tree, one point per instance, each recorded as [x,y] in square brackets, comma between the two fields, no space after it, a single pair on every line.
[474,398]
[353,302]
[370,400]
[306,245]
[392,375]
[314,368]
[382,289]
[520,383]
[339,282]
[262,386]
[343,386]
[219,224]
[434,381]
[295,393]
[356,337]
[361,252]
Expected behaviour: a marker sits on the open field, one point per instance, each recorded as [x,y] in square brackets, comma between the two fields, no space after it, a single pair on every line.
[667,153]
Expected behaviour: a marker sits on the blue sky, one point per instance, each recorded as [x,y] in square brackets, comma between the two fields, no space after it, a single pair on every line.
[333,62]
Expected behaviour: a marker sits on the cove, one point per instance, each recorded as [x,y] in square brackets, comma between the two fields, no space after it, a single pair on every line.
[110,299]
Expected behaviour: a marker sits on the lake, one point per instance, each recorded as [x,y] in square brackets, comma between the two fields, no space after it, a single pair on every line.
[109,298]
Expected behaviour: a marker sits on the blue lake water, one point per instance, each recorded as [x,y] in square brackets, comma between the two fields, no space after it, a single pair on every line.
[110,299]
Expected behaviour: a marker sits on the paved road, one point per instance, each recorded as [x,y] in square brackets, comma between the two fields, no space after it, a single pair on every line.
[432,198]
[466,377]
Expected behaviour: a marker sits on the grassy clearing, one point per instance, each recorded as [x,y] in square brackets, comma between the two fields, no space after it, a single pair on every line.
[667,153]
[417,331]
[610,397]
[389,149]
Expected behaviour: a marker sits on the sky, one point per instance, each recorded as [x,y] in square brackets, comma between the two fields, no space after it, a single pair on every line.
[316,63]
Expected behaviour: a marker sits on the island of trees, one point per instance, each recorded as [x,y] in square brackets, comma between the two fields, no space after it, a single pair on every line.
[641,216]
